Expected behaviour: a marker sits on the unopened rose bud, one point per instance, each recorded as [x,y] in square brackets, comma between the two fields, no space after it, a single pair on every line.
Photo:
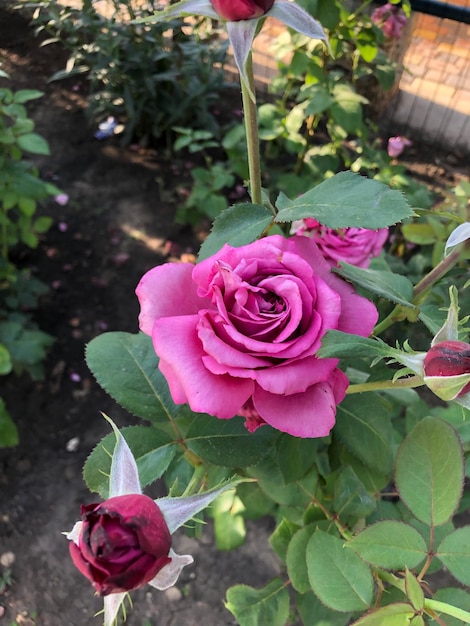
[447,369]
[123,543]
[237,10]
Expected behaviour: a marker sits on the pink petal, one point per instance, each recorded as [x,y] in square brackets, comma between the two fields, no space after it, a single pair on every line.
[308,414]
[176,342]
[167,290]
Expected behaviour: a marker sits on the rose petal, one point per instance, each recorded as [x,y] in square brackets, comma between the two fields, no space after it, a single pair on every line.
[167,290]
[176,342]
[308,414]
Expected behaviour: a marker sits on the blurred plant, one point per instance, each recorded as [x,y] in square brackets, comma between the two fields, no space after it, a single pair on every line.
[22,345]
[148,78]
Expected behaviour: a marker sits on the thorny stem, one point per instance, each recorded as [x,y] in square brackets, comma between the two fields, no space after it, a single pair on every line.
[448,609]
[421,289]
[251,129]
[429,604]
[401,383]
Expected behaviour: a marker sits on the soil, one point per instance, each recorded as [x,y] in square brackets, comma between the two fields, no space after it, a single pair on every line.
[118,223]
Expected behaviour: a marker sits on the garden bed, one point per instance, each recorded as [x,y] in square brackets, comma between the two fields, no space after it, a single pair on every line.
[118,223]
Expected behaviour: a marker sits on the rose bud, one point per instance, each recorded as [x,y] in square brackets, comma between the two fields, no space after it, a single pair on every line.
[447,369]
[123,543]
[237,10]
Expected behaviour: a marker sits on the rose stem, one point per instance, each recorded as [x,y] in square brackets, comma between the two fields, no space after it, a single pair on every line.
[420,290]
[251,129]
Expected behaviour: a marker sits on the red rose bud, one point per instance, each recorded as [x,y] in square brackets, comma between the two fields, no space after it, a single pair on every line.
[124,542]
[237,10]
[447,369]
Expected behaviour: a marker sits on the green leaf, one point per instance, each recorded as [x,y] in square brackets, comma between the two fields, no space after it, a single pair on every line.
[430,471]
[455,597]
[308,604]
[229,525]
[390,544]
[153,451]
[347,200]
[364,428]
[42,224]
[454,552]
[296,559]
[8,430]
[338,577]
[227,442]
[336,344]
[25,95]
[126,366]
[295,456]
[5,360]
[238,225]
[414,591]
[34,143]
[351,499]
[258,607]
[281,538]
[388,285]
[396,614]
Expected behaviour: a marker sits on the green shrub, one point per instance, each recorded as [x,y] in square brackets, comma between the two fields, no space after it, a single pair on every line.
[22,345]
[149,78]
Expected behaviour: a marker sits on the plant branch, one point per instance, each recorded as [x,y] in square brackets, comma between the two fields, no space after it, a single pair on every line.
[448,609]
[251,129]
[401,383]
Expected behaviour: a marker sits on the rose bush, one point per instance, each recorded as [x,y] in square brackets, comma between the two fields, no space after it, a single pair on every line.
[238,333]
[353,245]
[236,10]
[123,543]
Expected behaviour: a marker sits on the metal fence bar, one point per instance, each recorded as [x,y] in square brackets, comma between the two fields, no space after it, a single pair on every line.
[442,9]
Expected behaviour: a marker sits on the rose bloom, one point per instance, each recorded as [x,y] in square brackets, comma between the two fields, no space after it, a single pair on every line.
[238,333]
[449,359]
[123,543]
[396,145]
[237,10]
[391,20]
[352,245]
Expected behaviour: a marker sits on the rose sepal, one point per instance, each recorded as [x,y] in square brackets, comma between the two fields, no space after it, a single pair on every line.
[241,33]
[124,480]
[447,387]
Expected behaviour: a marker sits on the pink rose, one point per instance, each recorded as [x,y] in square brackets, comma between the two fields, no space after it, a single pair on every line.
[238,333]
[123,543]
[391,19]
[396,145]
[352,245]
[237,10]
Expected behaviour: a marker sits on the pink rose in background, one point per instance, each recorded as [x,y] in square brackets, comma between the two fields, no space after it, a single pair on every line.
[396,145]
[123,543]
[391,19]
[236,10]
[352,245]
[238,333]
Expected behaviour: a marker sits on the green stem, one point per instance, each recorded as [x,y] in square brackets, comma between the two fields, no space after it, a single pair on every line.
[448,609]
[401,383]
[434,275]
[421,289]
[251,128]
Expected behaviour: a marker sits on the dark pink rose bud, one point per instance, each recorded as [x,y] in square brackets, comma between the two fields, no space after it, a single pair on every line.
[124,542]
[236,10]
[449,359]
